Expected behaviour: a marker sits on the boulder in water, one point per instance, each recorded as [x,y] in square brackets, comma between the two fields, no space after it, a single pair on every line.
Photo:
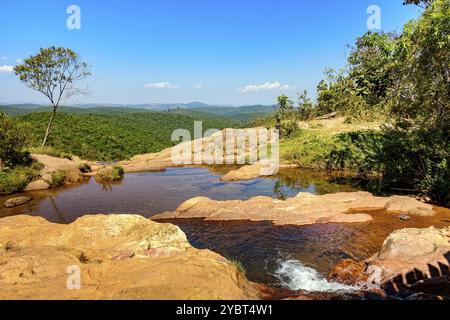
[17,201]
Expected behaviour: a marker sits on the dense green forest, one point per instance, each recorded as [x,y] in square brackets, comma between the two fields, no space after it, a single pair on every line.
[242,114]
[115,135]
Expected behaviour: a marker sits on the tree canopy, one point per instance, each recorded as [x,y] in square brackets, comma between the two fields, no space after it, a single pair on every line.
[54,72]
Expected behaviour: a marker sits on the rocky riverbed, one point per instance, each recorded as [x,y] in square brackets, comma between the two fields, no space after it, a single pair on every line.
[130,257]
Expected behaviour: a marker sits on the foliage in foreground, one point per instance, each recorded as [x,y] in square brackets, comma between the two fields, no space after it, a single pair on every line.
[16,179]
[13,140]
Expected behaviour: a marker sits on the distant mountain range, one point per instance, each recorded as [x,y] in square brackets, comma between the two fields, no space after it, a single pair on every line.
[147,106]
[237,113]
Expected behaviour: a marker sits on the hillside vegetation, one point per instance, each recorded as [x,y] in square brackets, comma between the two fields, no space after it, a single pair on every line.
[241,114]
[115,135]
[311,146]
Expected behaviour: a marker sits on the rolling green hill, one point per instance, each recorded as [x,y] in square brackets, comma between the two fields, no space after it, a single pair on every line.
[114,134]
[242,114]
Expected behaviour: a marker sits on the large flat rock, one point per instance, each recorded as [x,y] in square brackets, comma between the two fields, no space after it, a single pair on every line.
[304,209]
[211,150]
[119,256]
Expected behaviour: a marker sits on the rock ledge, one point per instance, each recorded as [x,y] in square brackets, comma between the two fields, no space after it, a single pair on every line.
[304,209]
[119,256]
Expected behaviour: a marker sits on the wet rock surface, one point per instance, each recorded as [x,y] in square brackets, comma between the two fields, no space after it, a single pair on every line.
[349,272]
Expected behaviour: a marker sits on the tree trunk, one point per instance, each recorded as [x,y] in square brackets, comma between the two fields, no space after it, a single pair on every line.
[49,127]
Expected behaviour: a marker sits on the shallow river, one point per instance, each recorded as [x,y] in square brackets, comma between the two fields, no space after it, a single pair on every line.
[292,257]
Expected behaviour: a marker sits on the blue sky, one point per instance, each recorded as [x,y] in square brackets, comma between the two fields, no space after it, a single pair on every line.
[214,51]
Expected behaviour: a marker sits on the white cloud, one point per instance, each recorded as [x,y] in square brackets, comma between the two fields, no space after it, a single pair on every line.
[6,69]
[265,87]
[198,85]
[19,60]
[4,58]
[161,85]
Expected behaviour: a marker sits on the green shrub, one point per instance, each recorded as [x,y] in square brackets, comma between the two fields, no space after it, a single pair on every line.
[356,151]
[16,179]
[106,174]
[288,128]
[416,160]
[306,109]
[117,173]
[239,266]
[13,139]
[58,179]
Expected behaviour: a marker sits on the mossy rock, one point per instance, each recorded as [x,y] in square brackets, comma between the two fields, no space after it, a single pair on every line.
[110,173]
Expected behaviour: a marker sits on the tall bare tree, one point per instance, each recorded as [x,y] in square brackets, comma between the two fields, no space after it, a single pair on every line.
[54,72]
